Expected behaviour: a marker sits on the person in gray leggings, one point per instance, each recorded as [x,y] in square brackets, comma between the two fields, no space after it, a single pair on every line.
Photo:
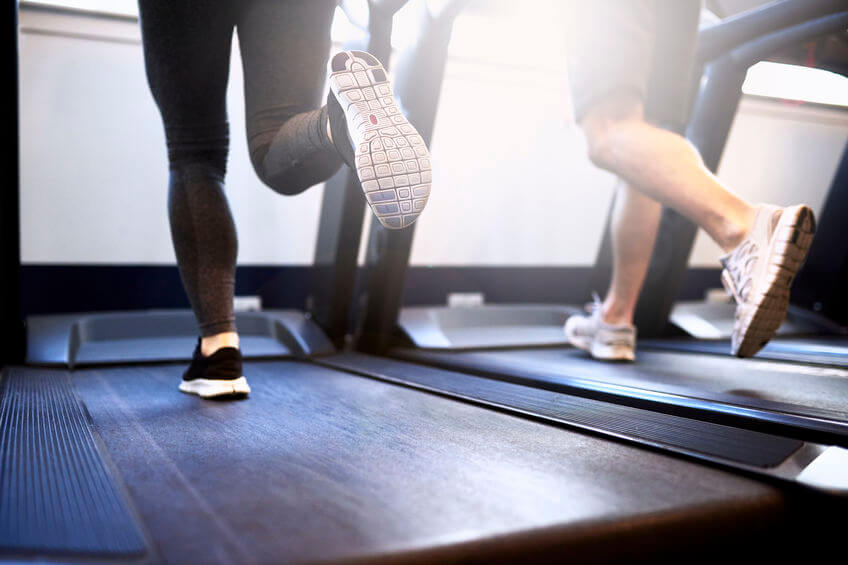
[294,142]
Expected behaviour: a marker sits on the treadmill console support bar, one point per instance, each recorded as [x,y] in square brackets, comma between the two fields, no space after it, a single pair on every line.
[418,82]
[821,283]
[343,208]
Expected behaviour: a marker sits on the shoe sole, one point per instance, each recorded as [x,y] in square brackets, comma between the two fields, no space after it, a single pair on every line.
[758,319]
[212,388]
[391,159]
[612,352]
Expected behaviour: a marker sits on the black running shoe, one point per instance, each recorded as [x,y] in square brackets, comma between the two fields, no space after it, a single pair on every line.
[376,140]
[218,375]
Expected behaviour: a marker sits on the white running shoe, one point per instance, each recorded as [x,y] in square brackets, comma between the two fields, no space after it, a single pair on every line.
[388,154]
[760,271]
[603,341]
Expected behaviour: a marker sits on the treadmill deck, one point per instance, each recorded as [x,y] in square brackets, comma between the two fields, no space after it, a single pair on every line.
[319,464]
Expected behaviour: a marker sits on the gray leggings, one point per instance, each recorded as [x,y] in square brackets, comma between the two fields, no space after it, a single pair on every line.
[284,47]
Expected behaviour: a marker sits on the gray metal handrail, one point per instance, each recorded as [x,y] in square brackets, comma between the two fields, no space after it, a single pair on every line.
[737,30]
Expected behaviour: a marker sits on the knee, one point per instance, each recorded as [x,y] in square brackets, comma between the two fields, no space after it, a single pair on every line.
[196,173]
[604,124]
[198,148]
[291,171]
[282,180]
[263,129]
[258,151]
[600,146]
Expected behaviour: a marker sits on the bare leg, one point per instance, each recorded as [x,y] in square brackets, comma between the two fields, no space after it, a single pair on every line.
[657,166]
[635,222]
[666,167]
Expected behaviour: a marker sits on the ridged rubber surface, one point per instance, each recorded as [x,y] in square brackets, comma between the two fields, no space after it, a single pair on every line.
[392,161]
[57,495]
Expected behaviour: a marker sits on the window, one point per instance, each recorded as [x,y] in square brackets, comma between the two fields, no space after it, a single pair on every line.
[118,7]
[794,82]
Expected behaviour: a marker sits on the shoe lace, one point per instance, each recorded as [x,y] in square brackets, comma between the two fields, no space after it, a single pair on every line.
[595,306]
[741,266]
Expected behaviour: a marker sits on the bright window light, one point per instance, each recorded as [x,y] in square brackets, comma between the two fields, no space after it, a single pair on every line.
[350,26]
[793,82]
[120,7]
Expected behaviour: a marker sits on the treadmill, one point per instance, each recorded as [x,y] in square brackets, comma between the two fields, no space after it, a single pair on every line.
[104,461]
[524,345]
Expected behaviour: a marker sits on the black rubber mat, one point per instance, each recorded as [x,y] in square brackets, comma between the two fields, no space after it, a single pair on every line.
[57,494]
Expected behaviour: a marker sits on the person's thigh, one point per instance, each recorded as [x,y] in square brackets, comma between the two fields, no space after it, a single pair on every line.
[610,46]
[284,48]
[669,86]
[187,58]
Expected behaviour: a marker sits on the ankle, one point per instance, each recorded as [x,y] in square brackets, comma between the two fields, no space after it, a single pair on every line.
[615,314]
[210,344]
[736,229]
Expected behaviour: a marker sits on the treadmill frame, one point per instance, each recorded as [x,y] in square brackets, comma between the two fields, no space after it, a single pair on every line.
[418,81]
[13,341]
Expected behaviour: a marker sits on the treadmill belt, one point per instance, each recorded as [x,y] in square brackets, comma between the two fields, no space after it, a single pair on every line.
[826,350]
[800,396]
[57,493]
[739,446]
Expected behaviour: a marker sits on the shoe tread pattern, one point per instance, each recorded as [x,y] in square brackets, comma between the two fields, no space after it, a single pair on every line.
[763,307]
[392,160]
